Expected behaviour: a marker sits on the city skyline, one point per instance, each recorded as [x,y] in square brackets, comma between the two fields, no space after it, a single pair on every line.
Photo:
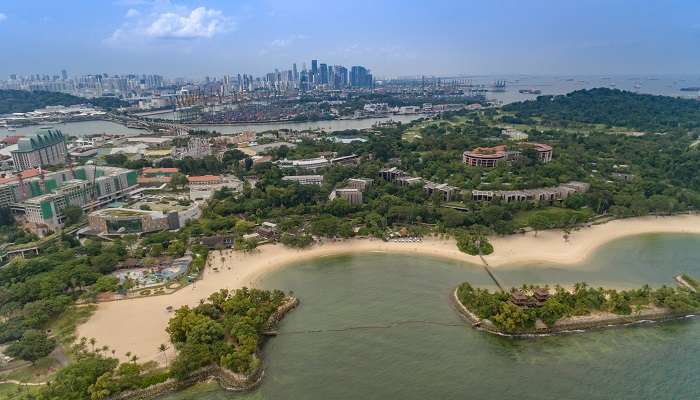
[194,39]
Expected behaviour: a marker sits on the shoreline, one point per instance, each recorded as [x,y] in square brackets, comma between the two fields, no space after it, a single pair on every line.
[138,325]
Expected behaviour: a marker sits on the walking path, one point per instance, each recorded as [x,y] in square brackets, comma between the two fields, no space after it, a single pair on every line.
[14,382]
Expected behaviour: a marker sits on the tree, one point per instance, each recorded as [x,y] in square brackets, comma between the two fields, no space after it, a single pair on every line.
[538,222]
[163,349]
[178,180]
[73,214]
[156,250]
[33,345]
[73,382]
[512,318]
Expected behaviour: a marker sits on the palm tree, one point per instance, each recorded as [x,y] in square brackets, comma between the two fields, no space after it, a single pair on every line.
[134,358]
[92,342]
[163,348]
[113,351]
[105,348]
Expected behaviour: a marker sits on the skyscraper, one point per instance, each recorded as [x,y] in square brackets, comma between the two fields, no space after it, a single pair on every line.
[339,77]
[323,74]
[360,77]
[64,74]
[314,71]
[295,73]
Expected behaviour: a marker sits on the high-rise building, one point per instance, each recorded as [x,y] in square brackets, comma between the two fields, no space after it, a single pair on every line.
[295,73]
[323,74]
[45,147]
[340,77]
[360,77]
[314,71]
[42,196]
[64,74]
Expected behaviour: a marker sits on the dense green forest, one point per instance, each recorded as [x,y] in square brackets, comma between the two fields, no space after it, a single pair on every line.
[13,101]
[225,330]
[583,300]
[613,107]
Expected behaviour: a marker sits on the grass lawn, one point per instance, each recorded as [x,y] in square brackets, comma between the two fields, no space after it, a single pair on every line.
[555,213]
[38,372]
[63,327]
[9,391]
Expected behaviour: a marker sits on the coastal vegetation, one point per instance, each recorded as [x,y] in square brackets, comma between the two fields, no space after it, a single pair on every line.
[225,330]
[611,107]
[519,310]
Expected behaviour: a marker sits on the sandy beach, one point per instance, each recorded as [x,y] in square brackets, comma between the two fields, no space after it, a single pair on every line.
[138,325]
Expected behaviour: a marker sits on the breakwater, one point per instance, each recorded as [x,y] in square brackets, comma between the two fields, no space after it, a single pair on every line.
[576,324]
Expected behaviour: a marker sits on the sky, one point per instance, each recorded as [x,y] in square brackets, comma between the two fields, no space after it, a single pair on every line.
[181,38]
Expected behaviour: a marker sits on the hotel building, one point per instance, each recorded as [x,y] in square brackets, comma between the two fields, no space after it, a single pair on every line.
[45,147]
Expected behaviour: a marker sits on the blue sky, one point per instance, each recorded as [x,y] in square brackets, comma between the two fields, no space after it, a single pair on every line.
[213,37]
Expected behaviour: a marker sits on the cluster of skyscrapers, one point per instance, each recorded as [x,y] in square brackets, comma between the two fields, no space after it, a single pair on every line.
[319,76]
[93,85]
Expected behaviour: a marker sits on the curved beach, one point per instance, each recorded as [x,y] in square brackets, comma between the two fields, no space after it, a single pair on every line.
[138,325]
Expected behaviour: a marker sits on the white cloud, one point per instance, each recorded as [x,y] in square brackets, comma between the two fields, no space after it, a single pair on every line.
[199,23]
[132,13]
[2,17]
[171,22]
[286,42]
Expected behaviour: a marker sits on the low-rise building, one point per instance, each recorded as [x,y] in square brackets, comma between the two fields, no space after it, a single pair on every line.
[352,196]
[311,164]
[304,179]
[120,221]
[352,159]
[203,187]
[489,157]
[550,194]
[359,183]
[156,176]
[445,191]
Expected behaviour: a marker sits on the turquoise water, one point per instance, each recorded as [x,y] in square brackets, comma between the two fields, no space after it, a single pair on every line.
[441,358]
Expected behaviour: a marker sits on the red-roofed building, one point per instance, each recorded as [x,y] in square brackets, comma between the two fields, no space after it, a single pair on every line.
[10,140]
[204,180]
[26,174]
[489,157]
[153,172]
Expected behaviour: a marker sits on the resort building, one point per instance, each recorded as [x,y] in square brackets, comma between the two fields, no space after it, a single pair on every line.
[39,198]
[359,183]
[550,194]
[45,147]
[353,196]
[392,174]
[445,191]
[304,179]
[202,188]
[489,157]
